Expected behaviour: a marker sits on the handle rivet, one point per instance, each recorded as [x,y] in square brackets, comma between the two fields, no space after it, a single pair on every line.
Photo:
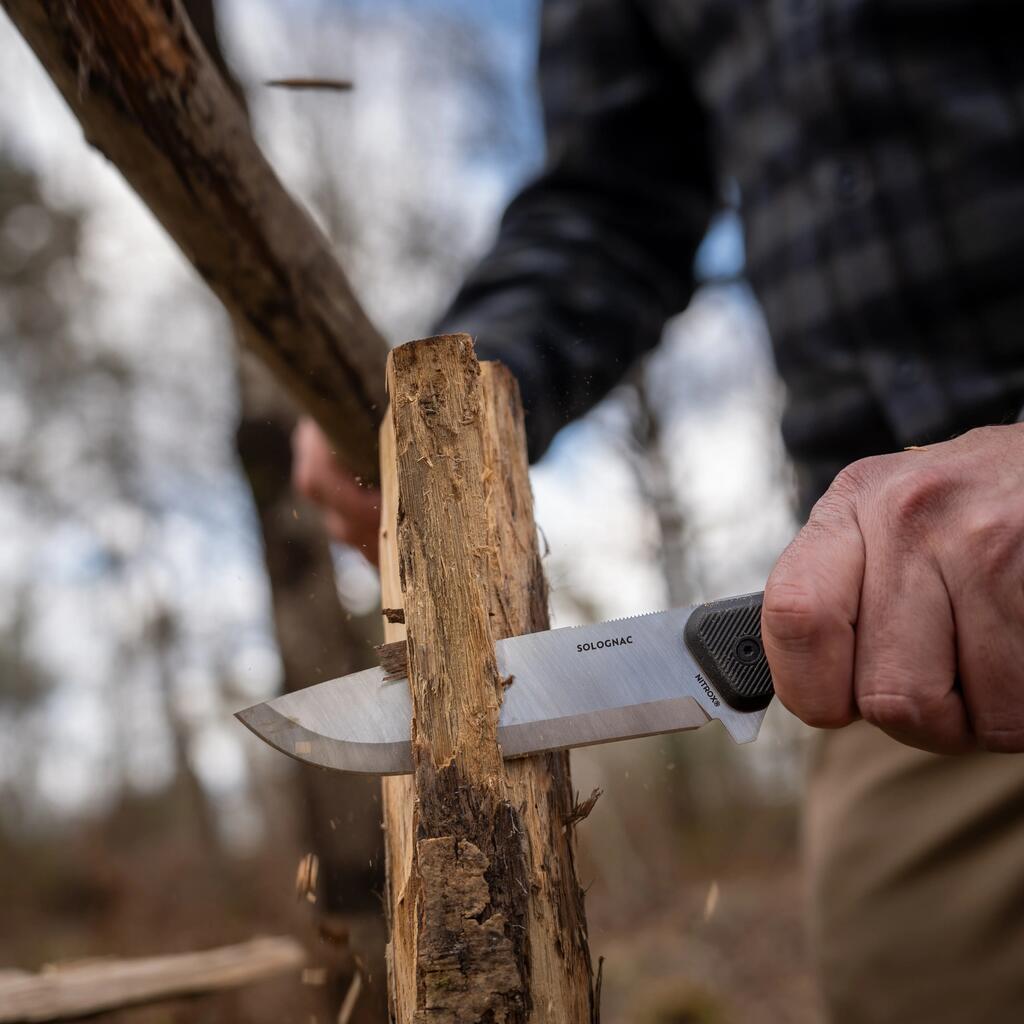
[747,650]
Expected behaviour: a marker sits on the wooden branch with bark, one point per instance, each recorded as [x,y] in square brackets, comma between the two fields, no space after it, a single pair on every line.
[485,911]
[149,97]
[64,992]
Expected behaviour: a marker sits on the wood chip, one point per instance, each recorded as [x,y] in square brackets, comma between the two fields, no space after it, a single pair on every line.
[328,84]
[711,902]
[306,876]
[394,659]
[582,810]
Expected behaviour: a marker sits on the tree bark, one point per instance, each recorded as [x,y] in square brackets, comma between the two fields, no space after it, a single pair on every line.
[150,98]
[486,915]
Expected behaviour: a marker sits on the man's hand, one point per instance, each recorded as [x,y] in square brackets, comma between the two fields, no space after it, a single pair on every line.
[351,511]
[902,599]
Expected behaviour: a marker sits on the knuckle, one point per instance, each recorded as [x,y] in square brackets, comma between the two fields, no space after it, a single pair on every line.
[992,538]
[854,478]
[912,498]
[851,488]
[988,434]
[849,484]
[997,724]
[1000,739]
[820,714]
[891,712]
[301,478]
[791,614]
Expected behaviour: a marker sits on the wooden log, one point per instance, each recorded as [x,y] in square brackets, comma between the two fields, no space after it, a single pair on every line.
[150,98]
[79,989]
[485,911]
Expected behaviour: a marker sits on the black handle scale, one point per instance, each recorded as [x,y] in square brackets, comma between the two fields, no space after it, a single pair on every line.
[724,638]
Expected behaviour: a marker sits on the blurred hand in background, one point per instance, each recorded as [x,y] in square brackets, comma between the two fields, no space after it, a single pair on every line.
[351,509]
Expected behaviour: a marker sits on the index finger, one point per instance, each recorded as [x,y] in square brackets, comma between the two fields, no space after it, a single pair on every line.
[809,616]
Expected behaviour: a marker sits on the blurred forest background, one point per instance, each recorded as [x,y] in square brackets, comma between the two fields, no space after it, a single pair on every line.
[156,572]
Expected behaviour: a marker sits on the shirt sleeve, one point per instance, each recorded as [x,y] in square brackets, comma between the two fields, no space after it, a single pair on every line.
[596,254]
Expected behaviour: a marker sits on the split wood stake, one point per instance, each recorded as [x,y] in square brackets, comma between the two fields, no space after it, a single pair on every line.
[485,911]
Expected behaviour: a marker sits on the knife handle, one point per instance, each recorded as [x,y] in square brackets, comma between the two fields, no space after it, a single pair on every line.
[724,638]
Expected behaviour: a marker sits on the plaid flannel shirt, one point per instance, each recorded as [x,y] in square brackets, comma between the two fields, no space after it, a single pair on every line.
[878,146]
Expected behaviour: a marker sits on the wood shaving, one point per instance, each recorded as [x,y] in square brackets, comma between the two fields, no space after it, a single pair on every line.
[394,660]
[306,876]
[348,1006]
[595,1016]
[711,902]
[582,810]
[329,84]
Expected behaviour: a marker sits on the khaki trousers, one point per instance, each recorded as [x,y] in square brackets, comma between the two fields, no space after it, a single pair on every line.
[916,872]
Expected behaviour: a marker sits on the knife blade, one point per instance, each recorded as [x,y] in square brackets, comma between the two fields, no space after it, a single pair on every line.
[576,686]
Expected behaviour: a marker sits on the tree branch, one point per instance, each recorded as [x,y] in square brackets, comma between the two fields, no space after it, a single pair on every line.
[77,990]
[152,101]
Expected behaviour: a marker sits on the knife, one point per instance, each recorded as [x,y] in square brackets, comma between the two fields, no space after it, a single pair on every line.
[572,687]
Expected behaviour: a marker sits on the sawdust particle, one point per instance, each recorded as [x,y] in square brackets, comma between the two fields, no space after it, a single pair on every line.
[711,902]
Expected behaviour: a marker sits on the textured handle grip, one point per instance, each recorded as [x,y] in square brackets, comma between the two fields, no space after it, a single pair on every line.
[724,638]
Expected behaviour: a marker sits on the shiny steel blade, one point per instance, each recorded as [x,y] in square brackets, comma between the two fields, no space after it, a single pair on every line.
[357,723]
[611,681]
[569,688]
